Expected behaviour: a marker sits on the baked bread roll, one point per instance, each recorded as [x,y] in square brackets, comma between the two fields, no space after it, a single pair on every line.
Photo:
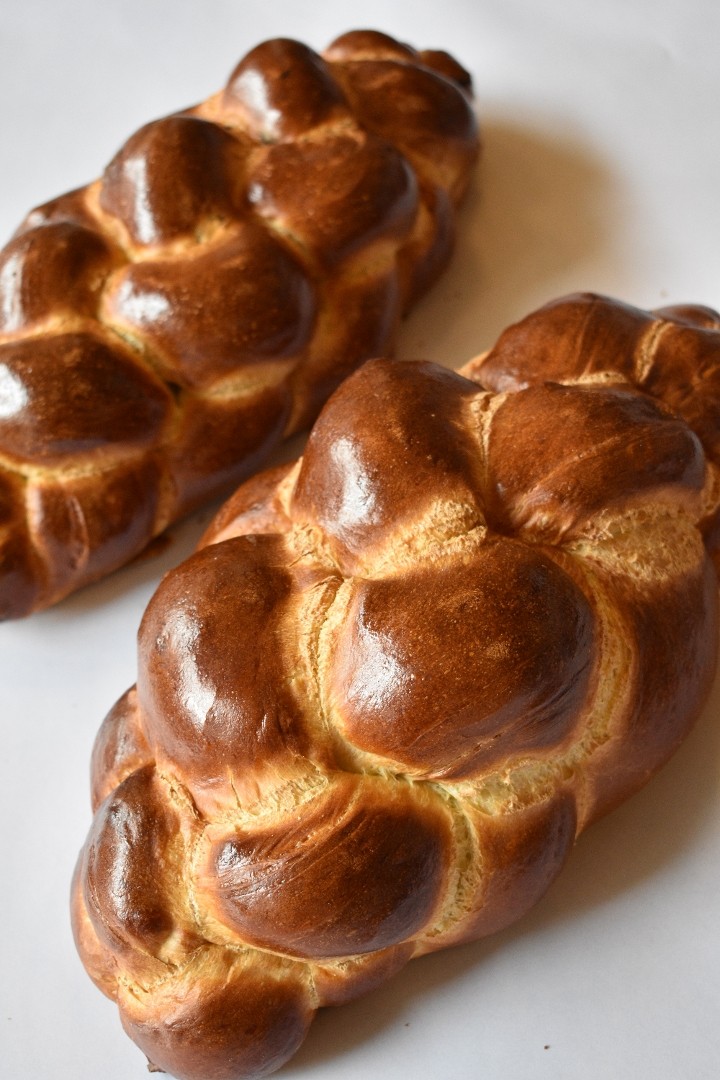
[162,329]
[375,710]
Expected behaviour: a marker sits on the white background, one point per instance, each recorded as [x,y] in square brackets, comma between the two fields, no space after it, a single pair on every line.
[601,171]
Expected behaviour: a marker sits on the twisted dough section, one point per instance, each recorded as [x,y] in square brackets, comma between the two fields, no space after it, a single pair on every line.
[375,710]
[164,327]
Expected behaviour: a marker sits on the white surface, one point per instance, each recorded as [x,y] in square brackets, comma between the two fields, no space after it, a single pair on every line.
[601,171]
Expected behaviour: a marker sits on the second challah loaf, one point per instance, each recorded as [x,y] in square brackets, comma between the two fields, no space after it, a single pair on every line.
[374,712]
[163,328]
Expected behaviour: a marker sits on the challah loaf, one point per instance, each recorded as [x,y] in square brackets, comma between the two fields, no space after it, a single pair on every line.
[163,328]
[375,710]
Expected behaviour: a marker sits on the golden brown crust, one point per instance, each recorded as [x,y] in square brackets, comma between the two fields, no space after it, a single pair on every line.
[523,851]
[376,708]
[670,353]
[513,680]
[629,447]
[310,888]
[224,1017]
[163,328]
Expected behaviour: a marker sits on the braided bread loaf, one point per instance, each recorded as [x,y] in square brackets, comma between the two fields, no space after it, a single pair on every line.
[163,328]
[375,710]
